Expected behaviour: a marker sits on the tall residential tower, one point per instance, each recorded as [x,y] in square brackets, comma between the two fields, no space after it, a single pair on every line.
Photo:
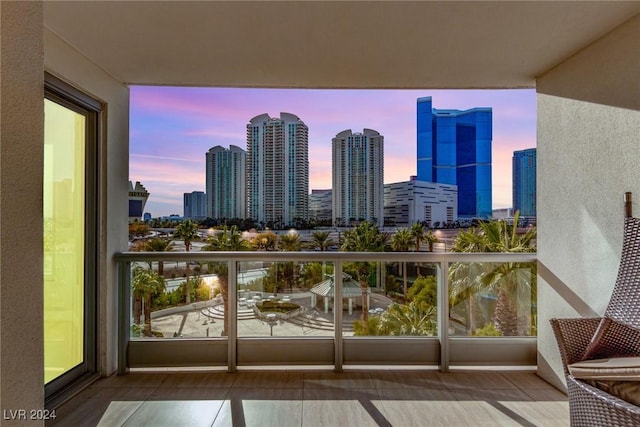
[194,205]
[277,170]
[226,182]
[358,177]
[454,147]
[524,182]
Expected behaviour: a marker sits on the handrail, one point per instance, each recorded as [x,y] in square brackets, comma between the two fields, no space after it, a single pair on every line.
[434,257]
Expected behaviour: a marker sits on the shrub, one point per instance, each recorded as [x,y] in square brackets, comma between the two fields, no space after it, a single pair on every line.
[488,330]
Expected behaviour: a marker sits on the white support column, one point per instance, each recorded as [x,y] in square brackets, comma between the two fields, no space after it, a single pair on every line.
[326,304]
[350,305]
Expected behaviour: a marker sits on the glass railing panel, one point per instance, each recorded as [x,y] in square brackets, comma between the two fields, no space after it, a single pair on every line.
[285,299]
[492,299]
[171,299]
[390,299]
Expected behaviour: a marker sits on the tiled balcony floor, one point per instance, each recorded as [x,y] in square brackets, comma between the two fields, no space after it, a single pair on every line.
[311,398]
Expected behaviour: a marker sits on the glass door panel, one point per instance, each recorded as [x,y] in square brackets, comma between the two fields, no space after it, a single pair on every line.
[64,239]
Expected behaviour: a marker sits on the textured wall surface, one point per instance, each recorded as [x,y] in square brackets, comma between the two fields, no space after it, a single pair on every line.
[21,158]
[70,65]
[588,157]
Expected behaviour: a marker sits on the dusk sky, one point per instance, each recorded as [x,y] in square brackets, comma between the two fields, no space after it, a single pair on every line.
[171,129]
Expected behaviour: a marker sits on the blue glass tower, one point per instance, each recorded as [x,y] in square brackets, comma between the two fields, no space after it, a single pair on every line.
[454,147]
[524,182]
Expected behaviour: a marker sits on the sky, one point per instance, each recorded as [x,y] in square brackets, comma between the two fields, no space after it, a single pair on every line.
[171,129]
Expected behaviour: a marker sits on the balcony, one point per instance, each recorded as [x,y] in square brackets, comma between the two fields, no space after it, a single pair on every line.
[313,398]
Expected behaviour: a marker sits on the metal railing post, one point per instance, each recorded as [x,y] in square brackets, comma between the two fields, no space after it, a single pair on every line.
[443,313]
[232,321]
[124,314]
[337,316]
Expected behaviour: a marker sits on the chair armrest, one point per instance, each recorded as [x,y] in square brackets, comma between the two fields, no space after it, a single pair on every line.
[573,336]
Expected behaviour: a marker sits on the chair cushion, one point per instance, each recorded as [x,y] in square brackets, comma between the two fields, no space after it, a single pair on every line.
[628,391]
[611,369]
[613,339]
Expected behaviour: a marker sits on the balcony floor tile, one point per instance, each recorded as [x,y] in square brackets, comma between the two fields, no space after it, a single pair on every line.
[314,398]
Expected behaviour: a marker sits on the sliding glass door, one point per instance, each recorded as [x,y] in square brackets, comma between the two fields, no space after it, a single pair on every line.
[69,215]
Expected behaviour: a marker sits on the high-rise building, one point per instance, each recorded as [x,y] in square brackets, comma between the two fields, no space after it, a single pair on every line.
[320,207]
[524,182]
[408,202]
[454,147]
[195,205]
[358,177]
[277,170]
[138,196]
[226,183]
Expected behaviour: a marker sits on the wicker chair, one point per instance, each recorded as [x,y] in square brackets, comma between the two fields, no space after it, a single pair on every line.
[616,334]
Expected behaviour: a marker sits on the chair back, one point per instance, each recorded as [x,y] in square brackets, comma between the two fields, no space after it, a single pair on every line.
[624,305]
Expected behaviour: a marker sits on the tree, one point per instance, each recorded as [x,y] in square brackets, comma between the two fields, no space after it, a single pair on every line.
[400,242]
[158,244]
[431,238]
[320,240]
[227,240]
[400,319]
[290,242]
[363,238]
[513,282]
[417,232]
[265,241]
[409,319]
[146,284]
[138,229]
[188,232]
[424,291]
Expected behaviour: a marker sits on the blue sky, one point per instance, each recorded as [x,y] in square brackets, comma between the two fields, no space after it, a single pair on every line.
[171,129]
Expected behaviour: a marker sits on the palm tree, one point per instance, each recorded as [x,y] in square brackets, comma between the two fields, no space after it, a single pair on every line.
[265,241]
[145,284]
[512,281]
[409,319]
[158,244]
[400,242]
[320,240]
[417,231]
[228,240]
[290,242]
[431,238]
[364,238]
[188,232]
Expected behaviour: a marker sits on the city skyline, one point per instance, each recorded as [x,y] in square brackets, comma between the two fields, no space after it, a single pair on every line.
[171,128]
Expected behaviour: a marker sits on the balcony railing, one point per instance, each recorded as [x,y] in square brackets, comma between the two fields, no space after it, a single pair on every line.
[326,308]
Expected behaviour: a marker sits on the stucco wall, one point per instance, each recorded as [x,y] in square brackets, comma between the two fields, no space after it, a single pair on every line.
[588,157]
[70,65]
[21,171]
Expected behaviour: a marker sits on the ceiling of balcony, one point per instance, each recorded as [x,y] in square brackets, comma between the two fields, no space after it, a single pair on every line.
[355,44]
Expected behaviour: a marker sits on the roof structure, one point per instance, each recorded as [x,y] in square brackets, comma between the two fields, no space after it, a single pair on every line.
[350,287]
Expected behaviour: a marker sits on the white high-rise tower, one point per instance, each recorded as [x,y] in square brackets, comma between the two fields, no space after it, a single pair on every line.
[277,170]
[358,177]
